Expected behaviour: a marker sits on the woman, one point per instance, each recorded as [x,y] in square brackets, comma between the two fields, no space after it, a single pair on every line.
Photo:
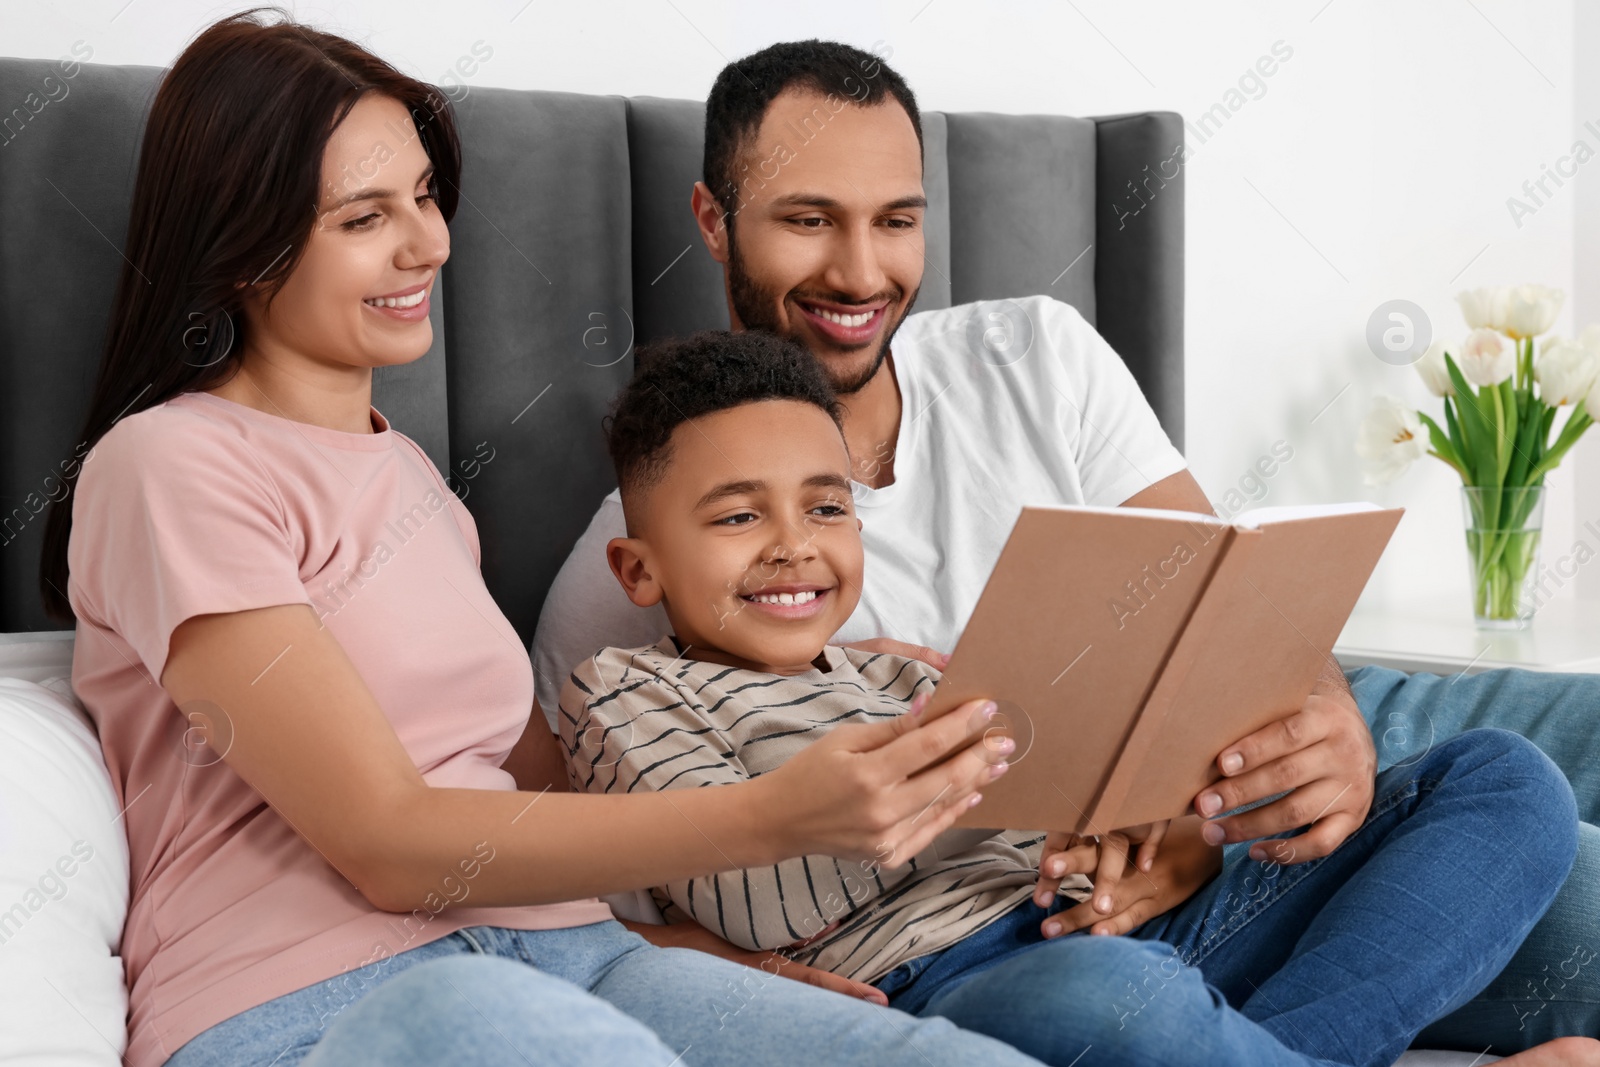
[305,692]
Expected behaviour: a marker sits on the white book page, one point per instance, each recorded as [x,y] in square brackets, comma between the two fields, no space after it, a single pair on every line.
[1251,519]
[1154,513]
[1257,517]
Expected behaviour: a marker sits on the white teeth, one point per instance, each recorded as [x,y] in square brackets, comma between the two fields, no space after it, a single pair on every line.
[398,301]
[789,599]
[845,320]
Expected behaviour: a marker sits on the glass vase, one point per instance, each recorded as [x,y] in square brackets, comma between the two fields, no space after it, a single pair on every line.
[1503,526]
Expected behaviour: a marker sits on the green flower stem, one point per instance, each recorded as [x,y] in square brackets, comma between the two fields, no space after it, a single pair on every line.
[1497,438]
[1576,424]
[1501,573]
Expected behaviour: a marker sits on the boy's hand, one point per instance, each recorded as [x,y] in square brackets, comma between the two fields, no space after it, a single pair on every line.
[1184,864]
[1106,855]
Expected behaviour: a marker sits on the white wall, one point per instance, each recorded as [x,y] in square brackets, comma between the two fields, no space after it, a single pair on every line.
[1586,264]
[1374,164]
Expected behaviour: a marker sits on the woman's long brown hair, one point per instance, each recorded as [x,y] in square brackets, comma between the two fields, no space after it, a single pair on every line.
[226,191]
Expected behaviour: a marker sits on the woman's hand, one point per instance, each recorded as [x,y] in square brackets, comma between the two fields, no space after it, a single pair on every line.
[695,936]
[1164,879]
[883,791]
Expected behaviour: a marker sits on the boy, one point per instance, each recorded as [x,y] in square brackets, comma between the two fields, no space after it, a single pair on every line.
[735,485]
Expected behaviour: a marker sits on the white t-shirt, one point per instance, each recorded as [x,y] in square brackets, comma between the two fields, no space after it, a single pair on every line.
[1004,403]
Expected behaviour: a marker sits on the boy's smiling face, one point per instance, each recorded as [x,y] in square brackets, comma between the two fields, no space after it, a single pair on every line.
[749,536]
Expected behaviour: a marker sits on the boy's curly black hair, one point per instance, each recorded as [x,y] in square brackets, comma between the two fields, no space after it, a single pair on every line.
[686,378]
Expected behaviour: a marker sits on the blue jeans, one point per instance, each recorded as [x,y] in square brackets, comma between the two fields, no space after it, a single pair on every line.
[1338,960]
[1551,987]
[586,996]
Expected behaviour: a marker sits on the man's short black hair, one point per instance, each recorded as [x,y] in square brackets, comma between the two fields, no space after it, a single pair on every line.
[746,87]
[707,372]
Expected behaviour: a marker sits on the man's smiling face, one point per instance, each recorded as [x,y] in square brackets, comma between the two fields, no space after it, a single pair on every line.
[829,249]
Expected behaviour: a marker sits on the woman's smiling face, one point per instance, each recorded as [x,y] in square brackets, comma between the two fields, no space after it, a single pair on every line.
[360,294]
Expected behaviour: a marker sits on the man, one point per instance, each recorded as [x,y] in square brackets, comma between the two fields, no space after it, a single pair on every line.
[822,241]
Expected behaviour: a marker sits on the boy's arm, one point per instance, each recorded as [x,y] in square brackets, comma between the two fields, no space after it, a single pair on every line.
[641,735]
[697,937]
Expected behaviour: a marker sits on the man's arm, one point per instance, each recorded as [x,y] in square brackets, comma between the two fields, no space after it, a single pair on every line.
[1178,491]
[1323,754]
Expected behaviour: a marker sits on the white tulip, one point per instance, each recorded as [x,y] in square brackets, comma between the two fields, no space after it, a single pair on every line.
[1531,309]
[1391,439]
[1484,306]
[1435,374]
[1487,358]
[1565,370]
[1590,337]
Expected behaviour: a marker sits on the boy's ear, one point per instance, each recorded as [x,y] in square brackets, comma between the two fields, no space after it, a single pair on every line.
[628,557]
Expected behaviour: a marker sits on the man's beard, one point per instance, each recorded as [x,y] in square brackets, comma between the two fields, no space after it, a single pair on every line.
[757,309]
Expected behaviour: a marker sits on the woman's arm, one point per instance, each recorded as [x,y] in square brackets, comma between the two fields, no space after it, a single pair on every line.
[535,760]
[676,747]
[276,694]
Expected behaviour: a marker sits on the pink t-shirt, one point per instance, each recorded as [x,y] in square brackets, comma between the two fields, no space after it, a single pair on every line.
[202,505]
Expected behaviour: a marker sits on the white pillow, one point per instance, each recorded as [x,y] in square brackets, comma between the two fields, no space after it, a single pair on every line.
[63,871]
[36,657]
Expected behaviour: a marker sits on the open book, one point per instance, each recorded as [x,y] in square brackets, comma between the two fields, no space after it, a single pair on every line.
[1127,647]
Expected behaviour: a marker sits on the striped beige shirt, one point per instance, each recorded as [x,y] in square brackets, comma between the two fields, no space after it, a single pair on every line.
[651,719]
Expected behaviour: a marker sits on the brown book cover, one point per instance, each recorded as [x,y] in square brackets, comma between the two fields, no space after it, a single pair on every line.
[1127,647]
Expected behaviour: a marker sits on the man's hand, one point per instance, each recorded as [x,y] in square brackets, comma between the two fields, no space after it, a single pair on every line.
[889,646]
[695,936]
[1323,754]
[1176,872]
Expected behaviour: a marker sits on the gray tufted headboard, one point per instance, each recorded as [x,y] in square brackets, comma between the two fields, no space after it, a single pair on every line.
[573,241]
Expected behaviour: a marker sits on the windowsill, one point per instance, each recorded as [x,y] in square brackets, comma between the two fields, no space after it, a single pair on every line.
[1439,636]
